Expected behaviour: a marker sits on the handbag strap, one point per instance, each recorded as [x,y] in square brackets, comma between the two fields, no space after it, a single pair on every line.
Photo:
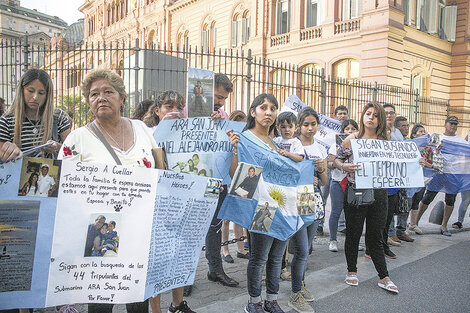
[105,143]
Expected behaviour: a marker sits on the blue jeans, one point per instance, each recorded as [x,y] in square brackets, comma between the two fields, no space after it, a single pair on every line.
[299,262]
[402,219]
[264,250]
[337,199]
[214,236]
[464,205]
[312,231]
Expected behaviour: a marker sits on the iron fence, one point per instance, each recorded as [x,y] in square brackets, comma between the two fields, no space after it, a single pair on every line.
[148,69]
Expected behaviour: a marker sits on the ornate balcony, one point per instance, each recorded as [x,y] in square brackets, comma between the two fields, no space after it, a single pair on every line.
[280,40]
[311,33]
[348,26]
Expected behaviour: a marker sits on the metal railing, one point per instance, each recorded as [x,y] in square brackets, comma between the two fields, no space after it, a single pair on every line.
[148,69]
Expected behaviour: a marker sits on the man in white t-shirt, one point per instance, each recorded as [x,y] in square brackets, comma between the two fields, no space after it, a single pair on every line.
[450,135]
[45,182]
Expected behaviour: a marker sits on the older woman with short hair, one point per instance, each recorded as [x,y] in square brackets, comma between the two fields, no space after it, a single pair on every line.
[110,139]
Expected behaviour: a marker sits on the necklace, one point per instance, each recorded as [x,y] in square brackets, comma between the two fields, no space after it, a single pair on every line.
[109,135]
[35,125]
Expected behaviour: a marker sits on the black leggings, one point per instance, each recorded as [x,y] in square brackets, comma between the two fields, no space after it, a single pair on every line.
[430,195]
[137,307]
[375,215]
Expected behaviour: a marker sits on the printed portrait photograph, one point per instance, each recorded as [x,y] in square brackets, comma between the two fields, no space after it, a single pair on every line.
[18,231]
[213,188]
[200,95]
[102,236]
[305,199]
[39,177]
[192,163]
[245,180]
[263,218]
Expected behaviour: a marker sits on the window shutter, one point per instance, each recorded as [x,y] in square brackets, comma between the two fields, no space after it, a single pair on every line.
[449,22]
[406,6]
[234,33]
[248,21]
[419,14]
[214,39]
[430,16]
[308,4]
[346,10]
[359,7]
[243,30]
[279,17]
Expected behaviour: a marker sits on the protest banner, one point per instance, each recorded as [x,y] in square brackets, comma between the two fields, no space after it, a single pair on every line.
[387,164]
[328,127]
[273,209]
[198,145]
[91,244]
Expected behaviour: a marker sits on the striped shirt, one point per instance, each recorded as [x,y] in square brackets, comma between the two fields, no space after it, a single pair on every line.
[31,132]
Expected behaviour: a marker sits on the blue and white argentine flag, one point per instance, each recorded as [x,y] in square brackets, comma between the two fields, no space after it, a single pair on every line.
[455,176]
[281,184]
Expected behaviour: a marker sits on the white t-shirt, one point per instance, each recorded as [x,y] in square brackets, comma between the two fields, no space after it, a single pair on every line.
[315,151]
[83,145]
[44,184]
[293,145]
[336,173]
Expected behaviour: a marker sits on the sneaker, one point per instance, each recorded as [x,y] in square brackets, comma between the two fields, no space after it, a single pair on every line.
[306,293]
[182,308]
[272,307]
[416,229]
[367,256]
[405,237]
[389,254]
[333,246]
[457,225]
[298,303]
[392,242]
[254,307]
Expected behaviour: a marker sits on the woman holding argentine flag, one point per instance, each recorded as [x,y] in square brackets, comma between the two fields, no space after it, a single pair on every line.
[265,250]
[372,126]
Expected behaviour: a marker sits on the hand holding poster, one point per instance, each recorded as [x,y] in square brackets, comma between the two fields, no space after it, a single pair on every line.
[198,145]
[328,127]
[387,164]
[91,244]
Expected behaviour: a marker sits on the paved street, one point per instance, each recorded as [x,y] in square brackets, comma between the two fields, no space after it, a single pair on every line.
[432,275]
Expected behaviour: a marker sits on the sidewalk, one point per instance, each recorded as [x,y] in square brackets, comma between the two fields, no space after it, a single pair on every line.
[325,269]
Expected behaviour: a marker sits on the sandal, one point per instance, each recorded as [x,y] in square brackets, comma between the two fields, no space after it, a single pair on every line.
[285,274]
[351,280]
[389,286]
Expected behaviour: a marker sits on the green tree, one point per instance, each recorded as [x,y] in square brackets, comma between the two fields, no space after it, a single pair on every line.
[78,110]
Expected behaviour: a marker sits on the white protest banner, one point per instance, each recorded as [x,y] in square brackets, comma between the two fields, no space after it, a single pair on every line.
[91,243]
[328,127]
[387,164]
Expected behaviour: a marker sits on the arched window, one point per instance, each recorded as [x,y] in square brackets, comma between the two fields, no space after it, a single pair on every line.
[418,85]
[346,72]
[310,84]
[151,39]
[205,44]
[281,82]
[240,29]
[347,69]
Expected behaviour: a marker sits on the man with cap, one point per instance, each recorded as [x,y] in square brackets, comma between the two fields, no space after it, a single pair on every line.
[45,182]
[449,135]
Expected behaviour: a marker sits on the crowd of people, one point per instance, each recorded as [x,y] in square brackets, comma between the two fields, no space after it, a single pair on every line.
[33,121]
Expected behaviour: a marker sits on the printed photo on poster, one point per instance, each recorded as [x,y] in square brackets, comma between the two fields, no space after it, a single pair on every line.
[245,180]
[309,201]
[339,140]
[102,237]
[192,163]
[213,188]
[39,177]
[200,92]
[263,217]
[18,230]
